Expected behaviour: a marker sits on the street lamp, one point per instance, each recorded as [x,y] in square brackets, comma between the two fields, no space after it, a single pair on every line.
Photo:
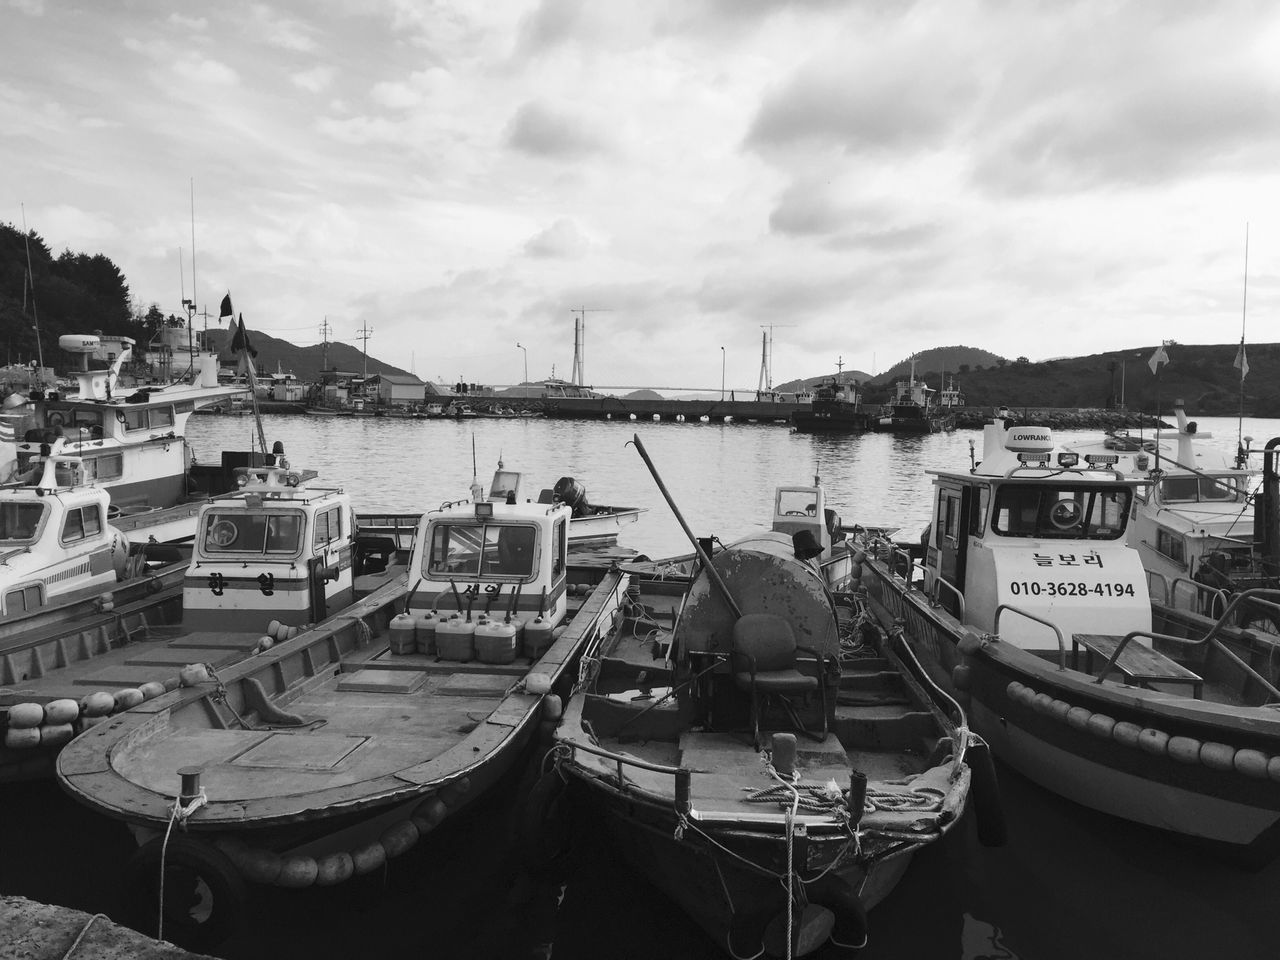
[722,374]
[526,370]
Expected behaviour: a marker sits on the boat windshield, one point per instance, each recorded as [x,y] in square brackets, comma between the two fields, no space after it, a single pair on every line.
[1192,489]
[1077,512]
[474,549]
[276,533]
[797,503]
[20,521]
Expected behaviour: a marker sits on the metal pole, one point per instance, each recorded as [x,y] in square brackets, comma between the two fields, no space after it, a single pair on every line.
[722,374]
[526,371]
[702,554]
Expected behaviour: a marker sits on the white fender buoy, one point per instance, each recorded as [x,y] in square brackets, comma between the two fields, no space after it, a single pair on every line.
[151,689]
[368,858]
[1184,749]
[1042,703]
[1155,742]
[399,837]
[1078,717]
[334,869]
[1251,763]
[273,628]
[1101,725]
[552,707]
[25,715]
[61,711]
[1218,756]
[128,697]
[1273,769]
[1126,733]
[537,684]
[1059,709]
[21,738]
[98,704]
[297,872]
[193,673]
[55,734]
[261,866]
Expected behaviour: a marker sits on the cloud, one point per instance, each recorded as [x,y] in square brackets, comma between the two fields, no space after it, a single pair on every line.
[205,70]
[315,80]
[543,131]
[563,240]
[268,27]
[188,23]
[32,8]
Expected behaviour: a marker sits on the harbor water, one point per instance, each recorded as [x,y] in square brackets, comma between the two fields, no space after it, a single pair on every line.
[1069,883]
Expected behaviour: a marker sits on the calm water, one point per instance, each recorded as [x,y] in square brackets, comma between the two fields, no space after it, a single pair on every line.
[1070,883]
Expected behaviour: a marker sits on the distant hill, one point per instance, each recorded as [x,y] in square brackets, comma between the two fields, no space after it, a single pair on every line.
[643,395]
[304,362]
[938,360]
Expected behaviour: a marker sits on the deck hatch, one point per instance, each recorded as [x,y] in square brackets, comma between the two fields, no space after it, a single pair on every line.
[300,751]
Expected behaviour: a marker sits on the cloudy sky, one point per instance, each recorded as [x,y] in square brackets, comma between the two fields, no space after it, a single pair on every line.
[870,178]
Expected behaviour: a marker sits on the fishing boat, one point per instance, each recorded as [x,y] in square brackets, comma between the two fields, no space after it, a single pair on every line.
[836,407]
[591,525]
[759,750]
[277,557]
[1028,603]
[1194,521]
[131,442]
[326,755]
[913,409]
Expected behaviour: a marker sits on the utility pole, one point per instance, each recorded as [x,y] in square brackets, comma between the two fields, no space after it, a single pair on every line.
[579,339]
[364,333]
[325,330]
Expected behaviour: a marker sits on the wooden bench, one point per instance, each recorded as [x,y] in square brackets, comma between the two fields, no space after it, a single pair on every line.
[1137,663]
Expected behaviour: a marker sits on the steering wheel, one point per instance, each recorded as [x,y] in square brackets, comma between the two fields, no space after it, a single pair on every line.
[223,533]
[1065,514]
[795,513]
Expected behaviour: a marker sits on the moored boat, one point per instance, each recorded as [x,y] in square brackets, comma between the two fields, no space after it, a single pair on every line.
[131,442]
[914,409]
[1028,604]
[760,751]
[836,407]
[269,561]
[324,756]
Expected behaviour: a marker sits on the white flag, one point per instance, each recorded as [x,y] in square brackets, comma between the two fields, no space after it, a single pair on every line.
[1241,362]
[1158,358]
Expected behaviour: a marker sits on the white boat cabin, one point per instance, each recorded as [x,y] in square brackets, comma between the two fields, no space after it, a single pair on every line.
[1040,534]
[798,510]
[55,542]
[280,549]
[476,563]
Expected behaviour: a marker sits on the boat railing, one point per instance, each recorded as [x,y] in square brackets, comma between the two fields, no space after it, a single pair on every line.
[1201,595]
[1062,643]
[683,775]
[932,590]
[910,566]
[1264,597]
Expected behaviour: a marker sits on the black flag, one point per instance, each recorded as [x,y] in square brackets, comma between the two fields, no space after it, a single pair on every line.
[240,342]
[226,310]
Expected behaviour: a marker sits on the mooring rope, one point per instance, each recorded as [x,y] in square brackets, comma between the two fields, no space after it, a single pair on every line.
[177,813]
[80,936]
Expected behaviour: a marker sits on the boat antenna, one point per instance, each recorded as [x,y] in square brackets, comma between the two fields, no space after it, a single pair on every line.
[1241,362]
[477,491]
[703,558]
[31,283]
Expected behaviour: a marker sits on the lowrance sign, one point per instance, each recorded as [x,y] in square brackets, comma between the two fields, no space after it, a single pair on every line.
[1029,439]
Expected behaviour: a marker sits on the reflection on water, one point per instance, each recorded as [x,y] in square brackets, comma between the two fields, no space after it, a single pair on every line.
[1070,883]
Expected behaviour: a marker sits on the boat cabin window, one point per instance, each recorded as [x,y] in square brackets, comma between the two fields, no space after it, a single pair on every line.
[978,517]
[328,526]
[475,549]
[147,418]
[109,466]
[504,482]
[797,503]
[82,523]
[1193,489]
[72,419]
[561,546]
[20,521]
[24,599]
[1171,545]
[1061,511]
[263,534]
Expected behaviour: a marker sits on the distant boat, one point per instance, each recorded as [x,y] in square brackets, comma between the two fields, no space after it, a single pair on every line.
[914,409]
[836,407]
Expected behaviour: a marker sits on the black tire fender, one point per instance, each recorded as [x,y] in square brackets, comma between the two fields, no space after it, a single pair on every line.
[205,897]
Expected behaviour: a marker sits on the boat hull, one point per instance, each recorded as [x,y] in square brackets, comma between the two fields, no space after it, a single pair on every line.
[1206,771]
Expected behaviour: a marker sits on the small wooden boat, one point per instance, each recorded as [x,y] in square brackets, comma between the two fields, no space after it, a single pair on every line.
[279,556]
[1029,605]
[760,751]
[327,754]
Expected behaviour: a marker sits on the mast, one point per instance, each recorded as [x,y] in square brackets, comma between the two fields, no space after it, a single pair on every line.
[1240,360]
[31,281]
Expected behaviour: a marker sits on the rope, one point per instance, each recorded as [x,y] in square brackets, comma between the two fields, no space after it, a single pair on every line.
[80,936]
[178,812]
[220,695]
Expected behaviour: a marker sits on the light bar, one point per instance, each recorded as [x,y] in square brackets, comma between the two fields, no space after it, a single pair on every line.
[1101,459]
[1068,459]
[1033,458]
